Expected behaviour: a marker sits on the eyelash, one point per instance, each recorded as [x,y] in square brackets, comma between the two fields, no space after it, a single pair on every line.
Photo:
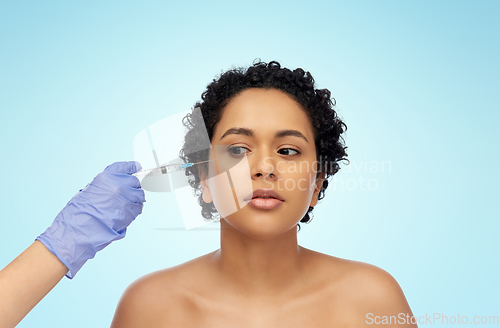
[230,148]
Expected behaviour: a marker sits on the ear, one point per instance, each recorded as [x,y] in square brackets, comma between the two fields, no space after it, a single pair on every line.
[317,189]
[207,196]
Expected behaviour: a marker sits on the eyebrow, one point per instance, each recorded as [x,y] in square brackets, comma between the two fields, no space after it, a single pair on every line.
[279,134]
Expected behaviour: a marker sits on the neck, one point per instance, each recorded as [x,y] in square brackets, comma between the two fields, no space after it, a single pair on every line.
[255,266]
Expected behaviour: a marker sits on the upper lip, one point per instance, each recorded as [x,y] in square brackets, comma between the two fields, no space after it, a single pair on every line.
[264,193]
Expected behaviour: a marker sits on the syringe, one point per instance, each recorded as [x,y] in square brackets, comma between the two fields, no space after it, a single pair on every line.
[165,169]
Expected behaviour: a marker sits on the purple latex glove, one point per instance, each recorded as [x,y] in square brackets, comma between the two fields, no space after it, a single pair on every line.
[96,216]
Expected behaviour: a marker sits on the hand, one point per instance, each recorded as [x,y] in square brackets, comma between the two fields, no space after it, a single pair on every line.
[96,216]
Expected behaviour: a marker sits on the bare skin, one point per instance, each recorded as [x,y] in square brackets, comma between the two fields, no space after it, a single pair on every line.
[260,276]
[26,281]
[330,292]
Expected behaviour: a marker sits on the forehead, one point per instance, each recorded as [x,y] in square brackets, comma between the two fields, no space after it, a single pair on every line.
[264,110]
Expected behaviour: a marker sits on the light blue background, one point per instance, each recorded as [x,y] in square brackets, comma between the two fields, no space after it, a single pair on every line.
[416,82]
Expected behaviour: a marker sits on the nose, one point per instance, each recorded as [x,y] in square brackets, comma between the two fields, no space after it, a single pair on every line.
[262,164]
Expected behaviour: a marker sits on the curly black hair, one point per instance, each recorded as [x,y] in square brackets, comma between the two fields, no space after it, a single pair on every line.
[318,104]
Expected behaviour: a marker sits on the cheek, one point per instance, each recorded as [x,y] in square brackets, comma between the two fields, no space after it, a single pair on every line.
[230,184]
[297,188]
[222,194]
[297,177]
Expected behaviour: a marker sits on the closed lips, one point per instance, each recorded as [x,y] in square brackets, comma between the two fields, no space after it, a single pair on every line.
[264,193]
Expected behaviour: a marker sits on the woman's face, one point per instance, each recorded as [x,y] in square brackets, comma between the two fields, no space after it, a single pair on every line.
[255,124]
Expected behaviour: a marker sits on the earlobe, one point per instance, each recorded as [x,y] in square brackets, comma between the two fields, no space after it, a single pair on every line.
[314,199]
[317,189]
[206,195]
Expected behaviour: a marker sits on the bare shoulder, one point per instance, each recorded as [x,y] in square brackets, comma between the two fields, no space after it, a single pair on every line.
[159,298]
[361,290]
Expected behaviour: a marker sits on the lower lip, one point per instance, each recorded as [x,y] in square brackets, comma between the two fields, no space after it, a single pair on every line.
[265,203]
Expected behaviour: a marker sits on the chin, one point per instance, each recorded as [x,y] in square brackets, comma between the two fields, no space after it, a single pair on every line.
[260,228]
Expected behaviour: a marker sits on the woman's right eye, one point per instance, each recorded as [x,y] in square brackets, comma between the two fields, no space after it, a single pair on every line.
[236,151]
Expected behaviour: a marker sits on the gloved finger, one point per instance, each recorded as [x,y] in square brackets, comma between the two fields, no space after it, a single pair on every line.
[137,210]
[132,212]
[124,167]
[128,180]
[134,195]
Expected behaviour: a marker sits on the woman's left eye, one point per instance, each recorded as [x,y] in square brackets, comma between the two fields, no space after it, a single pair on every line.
[290,149]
